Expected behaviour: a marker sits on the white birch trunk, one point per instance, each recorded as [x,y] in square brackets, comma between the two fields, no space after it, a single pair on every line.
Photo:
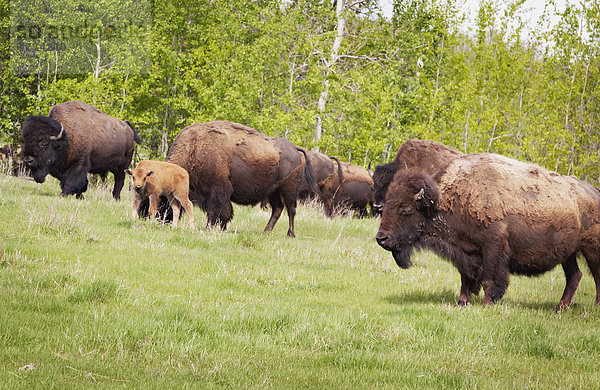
[337,43]
[98,59]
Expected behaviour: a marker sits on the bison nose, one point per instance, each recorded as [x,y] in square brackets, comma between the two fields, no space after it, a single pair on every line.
[383,239]
[138,188]
[29,160]
[378,207]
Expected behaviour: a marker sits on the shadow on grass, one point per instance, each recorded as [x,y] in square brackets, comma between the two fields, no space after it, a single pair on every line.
[448,296]
[535,306]
[435,297]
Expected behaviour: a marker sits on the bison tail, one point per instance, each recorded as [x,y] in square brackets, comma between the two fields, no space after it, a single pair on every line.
[136,136]
[309,174]
[340,175]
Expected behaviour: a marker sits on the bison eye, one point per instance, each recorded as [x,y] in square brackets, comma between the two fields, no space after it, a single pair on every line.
[44,144]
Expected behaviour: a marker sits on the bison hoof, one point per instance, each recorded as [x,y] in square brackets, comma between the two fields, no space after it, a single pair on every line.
[487,302]
[562,306]
[462,303]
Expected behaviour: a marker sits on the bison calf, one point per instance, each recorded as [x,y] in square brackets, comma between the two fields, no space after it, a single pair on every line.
[153,179]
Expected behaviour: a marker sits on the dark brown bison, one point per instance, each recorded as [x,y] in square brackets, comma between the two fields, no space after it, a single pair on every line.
[492,216]
[322,167]
[229,162]
[429,156]
[349,188]
[74,139]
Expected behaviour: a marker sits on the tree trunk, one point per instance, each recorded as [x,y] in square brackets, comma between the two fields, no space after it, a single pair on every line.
[341,25]
[98,60]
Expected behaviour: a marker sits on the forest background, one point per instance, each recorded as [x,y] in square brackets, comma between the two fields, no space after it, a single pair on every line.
[338,76]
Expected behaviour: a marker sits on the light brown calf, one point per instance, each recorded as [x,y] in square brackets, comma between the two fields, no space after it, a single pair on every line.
[153,179]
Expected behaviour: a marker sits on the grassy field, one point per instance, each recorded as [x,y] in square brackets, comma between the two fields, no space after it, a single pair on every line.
[91,299]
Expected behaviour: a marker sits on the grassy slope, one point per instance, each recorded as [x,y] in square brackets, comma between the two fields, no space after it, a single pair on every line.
[89,297]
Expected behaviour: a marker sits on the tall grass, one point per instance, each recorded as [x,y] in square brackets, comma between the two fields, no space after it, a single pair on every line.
[91,298]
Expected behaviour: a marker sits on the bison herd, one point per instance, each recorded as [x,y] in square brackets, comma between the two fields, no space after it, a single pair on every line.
[489,215]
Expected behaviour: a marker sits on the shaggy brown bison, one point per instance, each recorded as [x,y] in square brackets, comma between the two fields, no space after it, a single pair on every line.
[492,216]
[429,156]
[322,167]
[228,162]
[349,188]
[153,179]
[74,139]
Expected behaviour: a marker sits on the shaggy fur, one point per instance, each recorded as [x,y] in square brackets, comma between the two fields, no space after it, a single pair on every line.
[153,179]
[322,167]
[429,156]
[492,216]
[228,162]
[350,187]
[92,142]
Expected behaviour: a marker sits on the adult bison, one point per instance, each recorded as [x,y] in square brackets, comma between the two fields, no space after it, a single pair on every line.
[429,156]
[492,216]
[74,139]
[350,188]
[322,167]
[229,162]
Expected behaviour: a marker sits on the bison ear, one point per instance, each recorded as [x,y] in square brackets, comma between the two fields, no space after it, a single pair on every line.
[426,199]
[128,171]
[149,173]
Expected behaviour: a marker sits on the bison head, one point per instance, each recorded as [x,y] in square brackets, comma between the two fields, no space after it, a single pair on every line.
[410,206]
[139,176]
[44,144]
[382,176]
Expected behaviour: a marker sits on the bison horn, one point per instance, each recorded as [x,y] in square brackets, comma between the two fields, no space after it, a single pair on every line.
[60,135]
[420,195]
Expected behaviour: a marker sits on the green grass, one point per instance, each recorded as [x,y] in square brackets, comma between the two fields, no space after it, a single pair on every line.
[89,298]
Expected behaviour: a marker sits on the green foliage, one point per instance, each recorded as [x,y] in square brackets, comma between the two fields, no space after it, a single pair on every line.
[529,92]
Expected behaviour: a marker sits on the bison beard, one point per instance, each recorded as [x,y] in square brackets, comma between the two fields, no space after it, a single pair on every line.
[402,256]
[530,222]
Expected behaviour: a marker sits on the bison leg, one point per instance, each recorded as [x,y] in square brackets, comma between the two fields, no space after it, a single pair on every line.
[495,268]
[136,206]
[573,276]
[290,206]
[276,210]
[590,244]
[219,208]
[119,175]
[468,286]
[189,209]
[494,289]
[74,181]
[176,206]
[465,293]
[153,207]
[328,206]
